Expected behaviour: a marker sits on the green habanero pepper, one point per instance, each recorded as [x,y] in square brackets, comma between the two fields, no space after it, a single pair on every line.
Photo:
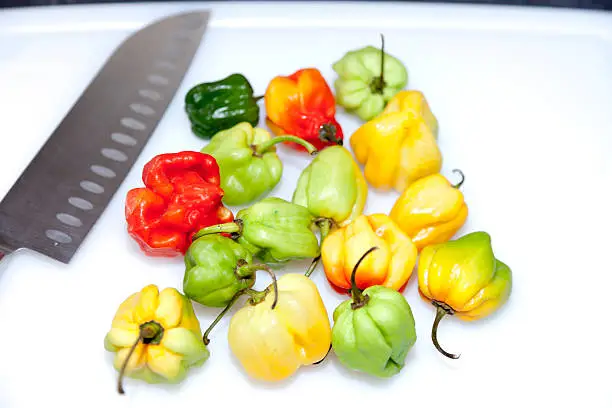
[332,187]
[334,190]
[248,163]
[374,331]
[216,268]
[215,106]
[367,79]
[273,230]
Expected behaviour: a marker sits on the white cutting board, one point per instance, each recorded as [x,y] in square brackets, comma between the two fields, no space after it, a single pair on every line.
[523,97]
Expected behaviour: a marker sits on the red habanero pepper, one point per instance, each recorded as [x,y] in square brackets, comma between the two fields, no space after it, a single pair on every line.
[182,195]
[303,105]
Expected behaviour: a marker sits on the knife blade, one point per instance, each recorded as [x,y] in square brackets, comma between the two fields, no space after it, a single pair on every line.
[66,187]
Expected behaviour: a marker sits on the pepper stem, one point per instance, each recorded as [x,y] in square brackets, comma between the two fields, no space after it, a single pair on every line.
[359,300]
[441,310]
[256,296]
[262,267]
[150,333]
[325,225]
[265,146]
[460,183]
[229,305]
[378,83]
[257,98]
[328,133]
[234,228]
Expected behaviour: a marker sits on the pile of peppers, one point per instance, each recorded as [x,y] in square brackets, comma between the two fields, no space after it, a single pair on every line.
[368,258]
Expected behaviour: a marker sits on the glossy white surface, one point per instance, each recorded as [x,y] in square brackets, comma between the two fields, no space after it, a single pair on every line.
[523,97]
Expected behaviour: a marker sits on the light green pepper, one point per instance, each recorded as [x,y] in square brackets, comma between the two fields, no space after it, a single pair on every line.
[374,331]
[273,230]
[248,164]
[367,79]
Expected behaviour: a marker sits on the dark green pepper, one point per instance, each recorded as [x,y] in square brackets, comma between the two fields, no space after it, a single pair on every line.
[215,106]
[216,268]
[273,230]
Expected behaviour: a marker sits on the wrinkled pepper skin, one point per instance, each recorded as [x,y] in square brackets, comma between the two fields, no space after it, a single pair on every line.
[463,278]
[182,195]
[391,266]
[376,337]
[214,106]
[302,104]
[367,80]
[430,211]
[332,186]
[396,149]
[216,268]
[248,163]
[273,230]
[173,345]
[271,344]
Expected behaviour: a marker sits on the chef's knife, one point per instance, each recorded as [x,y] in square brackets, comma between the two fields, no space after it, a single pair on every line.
[68,184]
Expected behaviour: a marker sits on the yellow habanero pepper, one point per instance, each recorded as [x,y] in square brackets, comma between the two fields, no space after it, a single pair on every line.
[391,266]
[463,278]
[156,337]
[273,336]
[414,104]
[400,145]
[431,210]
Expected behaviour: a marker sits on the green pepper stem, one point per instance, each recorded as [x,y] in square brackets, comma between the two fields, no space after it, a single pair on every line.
[325,225]
[229,305]
[227,228]
[150,333]
[460,183]
[378,83]
[442,310]
[265,146]
[252,269]
[257,98]
[274,284]
[256,297]
[359,300]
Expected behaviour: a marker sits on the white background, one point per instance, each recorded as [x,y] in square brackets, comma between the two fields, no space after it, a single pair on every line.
[523,97]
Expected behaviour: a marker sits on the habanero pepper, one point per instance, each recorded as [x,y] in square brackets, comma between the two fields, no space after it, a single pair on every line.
[374,330]
[155,336]
[273,335]
[397,147]
[302,104]
[182,195]
[431,210]
[463,278]
[273,230]
[248,162]
[216,268]
[367,79]
[215,106]
[391,266]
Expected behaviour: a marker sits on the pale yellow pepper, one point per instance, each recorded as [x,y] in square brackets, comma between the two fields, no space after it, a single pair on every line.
[273,340]
[158,334]
[400,145]
[431,210]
